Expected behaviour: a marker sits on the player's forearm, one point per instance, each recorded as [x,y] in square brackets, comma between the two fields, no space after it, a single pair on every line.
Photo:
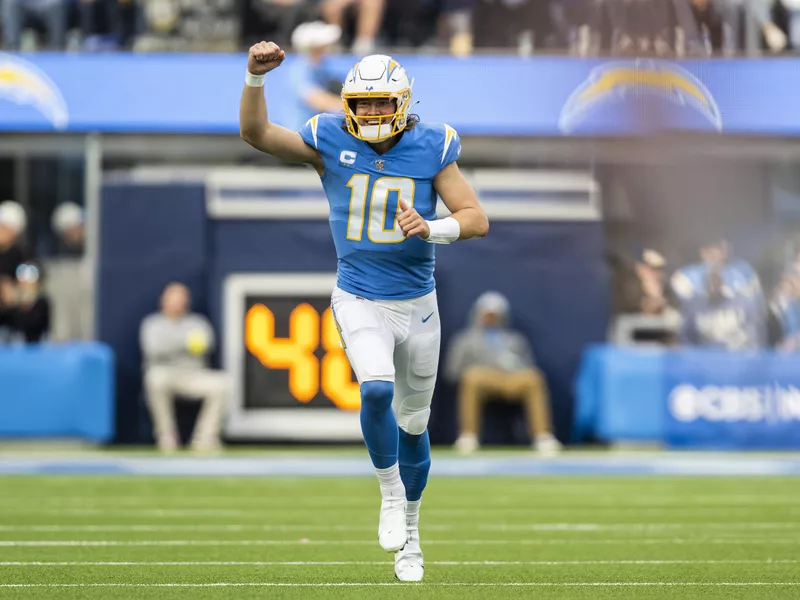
[253,119]
[472,222]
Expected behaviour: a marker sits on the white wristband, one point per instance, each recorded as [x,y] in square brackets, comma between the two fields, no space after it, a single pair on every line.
[444,231]
[253,80]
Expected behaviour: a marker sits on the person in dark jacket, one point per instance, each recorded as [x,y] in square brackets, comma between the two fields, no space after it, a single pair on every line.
[24,309]
[12,224]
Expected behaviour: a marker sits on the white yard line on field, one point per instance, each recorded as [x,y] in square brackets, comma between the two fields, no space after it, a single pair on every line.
[479,512]
[794,540]
[378,584]
[609,498]
[448,563]
[556,527]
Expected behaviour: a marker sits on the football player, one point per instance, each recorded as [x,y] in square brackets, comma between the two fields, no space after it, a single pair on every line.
[382,170]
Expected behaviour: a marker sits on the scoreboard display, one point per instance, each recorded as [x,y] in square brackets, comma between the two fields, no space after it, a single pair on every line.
[294,355]
[282,346]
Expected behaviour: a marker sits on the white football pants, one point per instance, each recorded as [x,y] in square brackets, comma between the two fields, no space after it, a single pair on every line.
[393,340]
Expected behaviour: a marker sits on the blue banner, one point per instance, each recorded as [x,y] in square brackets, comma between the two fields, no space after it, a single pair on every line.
[543,96]
[732,400]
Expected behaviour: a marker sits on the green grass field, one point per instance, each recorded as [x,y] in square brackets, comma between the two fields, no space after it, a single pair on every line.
[561,537]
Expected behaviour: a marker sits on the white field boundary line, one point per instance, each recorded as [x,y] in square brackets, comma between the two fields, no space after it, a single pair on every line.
[610,498]
[446,563]
[554,527]
[135,513]
[380,584]
[794,540]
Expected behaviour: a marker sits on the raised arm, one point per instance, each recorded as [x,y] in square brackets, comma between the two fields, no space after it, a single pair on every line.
[254,126]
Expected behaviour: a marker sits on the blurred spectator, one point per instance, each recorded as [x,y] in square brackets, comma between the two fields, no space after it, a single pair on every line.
[110,24]
[722,304]
[189,25]
[69,277]
[578,24]
[521,25]
[708,31]
[162,15]
[642,302]
[717,255]
[490,360]
[68,223]
[759,12]
[24,309]
[718,318]
[12,224]
[457,22]
[785,306]
[19,15]
[368,20]
[314,87]
[161,21]
[175,345]
[793,17]
[639,26]
[410,23]
[275,20]
[718,25]
[641,288]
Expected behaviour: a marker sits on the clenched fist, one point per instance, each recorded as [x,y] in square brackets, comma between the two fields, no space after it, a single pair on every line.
[263,57]
[412,223]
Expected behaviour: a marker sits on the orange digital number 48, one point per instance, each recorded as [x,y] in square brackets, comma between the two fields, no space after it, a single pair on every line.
[296,354]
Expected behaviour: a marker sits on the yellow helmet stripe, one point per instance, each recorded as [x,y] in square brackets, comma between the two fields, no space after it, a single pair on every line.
[392,66]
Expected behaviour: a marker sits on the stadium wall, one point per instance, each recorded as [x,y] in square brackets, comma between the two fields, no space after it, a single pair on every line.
[153,233]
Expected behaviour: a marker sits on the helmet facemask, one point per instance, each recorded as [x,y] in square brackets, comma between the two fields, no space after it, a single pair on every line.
[376,127]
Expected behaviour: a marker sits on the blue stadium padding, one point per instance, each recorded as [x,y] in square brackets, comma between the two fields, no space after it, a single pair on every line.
[150,235]
[634,378]
[588,384]
[121,92]
[619,394]
[63,391]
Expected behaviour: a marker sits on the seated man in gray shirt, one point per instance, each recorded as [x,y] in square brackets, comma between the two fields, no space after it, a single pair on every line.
[488,359]
[175,347]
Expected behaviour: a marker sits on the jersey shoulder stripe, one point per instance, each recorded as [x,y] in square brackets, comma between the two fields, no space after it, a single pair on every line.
[449,135]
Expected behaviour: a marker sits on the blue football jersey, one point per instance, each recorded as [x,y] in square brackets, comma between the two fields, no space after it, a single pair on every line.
[364,189]
[689,281]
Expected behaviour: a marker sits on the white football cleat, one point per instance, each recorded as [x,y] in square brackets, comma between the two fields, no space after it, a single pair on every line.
[408,563]
[547,445]
[467,443]
[392,525]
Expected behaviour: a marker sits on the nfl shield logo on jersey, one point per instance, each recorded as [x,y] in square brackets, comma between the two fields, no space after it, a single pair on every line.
[379,164]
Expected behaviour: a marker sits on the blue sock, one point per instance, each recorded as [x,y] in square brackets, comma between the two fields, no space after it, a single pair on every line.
[378,423]
[415,463]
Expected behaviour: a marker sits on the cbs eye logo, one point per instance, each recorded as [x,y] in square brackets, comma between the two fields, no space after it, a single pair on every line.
[307,373]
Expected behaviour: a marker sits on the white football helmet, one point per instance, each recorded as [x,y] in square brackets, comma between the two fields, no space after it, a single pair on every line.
[377,76]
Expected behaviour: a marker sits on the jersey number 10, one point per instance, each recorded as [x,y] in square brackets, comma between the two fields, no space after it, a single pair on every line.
[377,231]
